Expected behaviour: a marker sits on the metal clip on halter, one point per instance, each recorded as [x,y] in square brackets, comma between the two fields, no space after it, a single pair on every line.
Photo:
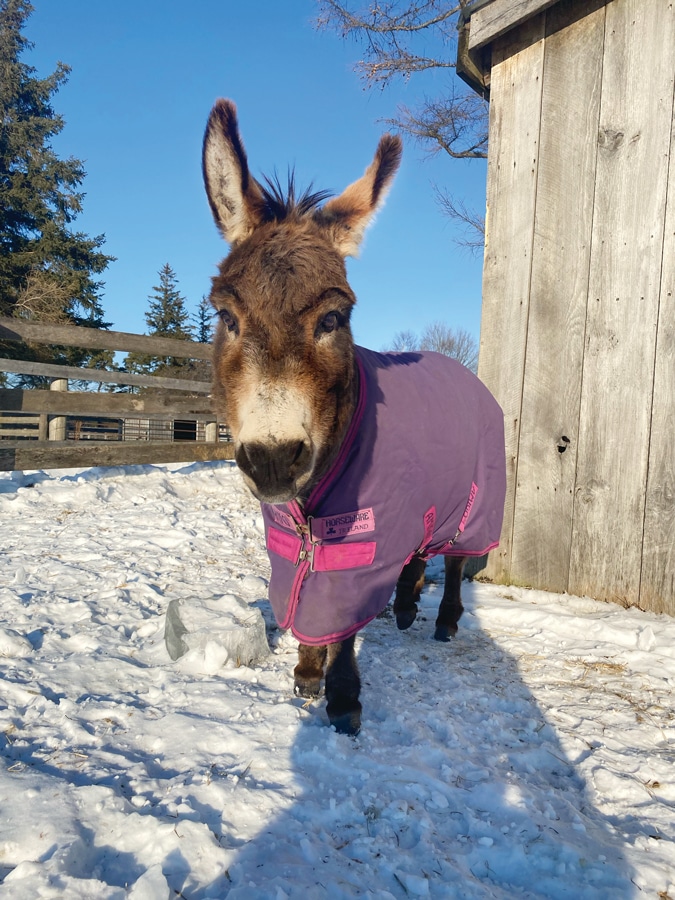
[306,553]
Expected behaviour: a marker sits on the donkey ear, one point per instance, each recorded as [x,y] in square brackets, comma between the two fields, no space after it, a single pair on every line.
[348,215]
[235,197]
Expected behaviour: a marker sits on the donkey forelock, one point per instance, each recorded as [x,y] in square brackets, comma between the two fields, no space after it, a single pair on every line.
[284,372]
[279,204]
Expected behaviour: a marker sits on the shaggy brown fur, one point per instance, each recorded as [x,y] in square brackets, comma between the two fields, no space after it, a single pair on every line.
[284,370]
[294,261]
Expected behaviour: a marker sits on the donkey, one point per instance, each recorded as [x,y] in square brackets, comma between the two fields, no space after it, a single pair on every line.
[365,464]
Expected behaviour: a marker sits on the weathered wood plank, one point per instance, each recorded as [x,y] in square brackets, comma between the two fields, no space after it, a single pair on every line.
[515,109]
[473,68]
[7,433]
[495,19]
[19,420]
[20,367]
[98,339]
[657,584]
[624,283]
[86,403]
[18,455]
[558,295]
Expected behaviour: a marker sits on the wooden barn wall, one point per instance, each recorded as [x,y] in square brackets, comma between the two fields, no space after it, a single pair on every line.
[657,586]
[515,108]
[577,337]
[623,299]
[558,290]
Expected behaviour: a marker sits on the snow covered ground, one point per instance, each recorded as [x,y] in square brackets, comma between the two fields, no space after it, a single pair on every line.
[533,756]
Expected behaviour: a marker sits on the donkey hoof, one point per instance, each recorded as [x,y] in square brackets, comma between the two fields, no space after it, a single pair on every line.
[405,618]
[347,721]
[349,724]
[309,688]
[445,632]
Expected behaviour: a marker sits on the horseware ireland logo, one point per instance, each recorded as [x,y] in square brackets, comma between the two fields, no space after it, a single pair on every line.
[360,521]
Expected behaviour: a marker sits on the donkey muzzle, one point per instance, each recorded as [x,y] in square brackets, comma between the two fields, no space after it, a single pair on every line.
[275,472]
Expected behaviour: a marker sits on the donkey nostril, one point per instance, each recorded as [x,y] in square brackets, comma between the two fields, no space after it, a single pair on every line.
[299,452]
[244,461]
[274,468]
[291,459]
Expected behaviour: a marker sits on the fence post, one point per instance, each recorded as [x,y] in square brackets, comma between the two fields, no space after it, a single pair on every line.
[211,432]
[57,424]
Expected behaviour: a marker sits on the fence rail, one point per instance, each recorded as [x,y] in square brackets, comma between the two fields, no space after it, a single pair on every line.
[58,428]
[84,403]
[97,339]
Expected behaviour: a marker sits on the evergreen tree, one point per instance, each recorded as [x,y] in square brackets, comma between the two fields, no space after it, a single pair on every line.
[167,316]
[204,322]
[47,270]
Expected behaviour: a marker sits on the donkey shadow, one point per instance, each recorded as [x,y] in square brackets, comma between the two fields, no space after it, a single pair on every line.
[456,787]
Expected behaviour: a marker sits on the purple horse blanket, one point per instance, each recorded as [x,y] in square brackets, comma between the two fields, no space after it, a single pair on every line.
[420,472]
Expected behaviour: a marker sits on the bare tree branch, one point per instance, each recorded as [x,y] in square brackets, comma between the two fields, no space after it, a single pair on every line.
[469,219]
[44,297]
[379,71]
[446,123]
[406,38]
[404,341]
[456,343]
[384,20]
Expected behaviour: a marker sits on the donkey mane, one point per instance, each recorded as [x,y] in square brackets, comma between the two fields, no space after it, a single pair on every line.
[280,204]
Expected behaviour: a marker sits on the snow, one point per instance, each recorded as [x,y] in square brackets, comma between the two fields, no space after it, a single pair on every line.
[533,756]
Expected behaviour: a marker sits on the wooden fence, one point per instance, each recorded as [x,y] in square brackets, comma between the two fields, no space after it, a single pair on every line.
[59,428]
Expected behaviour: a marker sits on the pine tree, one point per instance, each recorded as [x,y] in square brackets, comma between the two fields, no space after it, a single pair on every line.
[167,316]
[47,270]
[203,321]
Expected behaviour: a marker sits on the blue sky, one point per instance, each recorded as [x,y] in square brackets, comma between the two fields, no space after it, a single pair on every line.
[145,74]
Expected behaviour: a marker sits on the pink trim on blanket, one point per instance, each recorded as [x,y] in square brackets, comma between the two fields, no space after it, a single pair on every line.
[336,557]
[283,544]
[453,550]
[331,638]
[334,472]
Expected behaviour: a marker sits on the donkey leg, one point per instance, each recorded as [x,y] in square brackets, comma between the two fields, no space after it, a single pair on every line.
[451,607]
[309,670]
[408,590]
[343,687]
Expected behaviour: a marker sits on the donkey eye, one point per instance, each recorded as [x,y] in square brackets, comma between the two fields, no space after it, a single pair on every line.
[329,323]
[228,320]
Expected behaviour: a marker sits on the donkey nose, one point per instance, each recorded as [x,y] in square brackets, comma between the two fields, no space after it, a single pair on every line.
[274,468]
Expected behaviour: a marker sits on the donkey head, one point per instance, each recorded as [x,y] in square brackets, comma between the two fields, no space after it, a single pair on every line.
[284,371]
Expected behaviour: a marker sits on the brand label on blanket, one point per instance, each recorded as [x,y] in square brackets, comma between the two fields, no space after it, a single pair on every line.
[429,525]
[471,501]
[343,525]
[282,518]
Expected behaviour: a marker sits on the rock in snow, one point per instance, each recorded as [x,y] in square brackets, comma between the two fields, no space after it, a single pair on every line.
[225,628]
